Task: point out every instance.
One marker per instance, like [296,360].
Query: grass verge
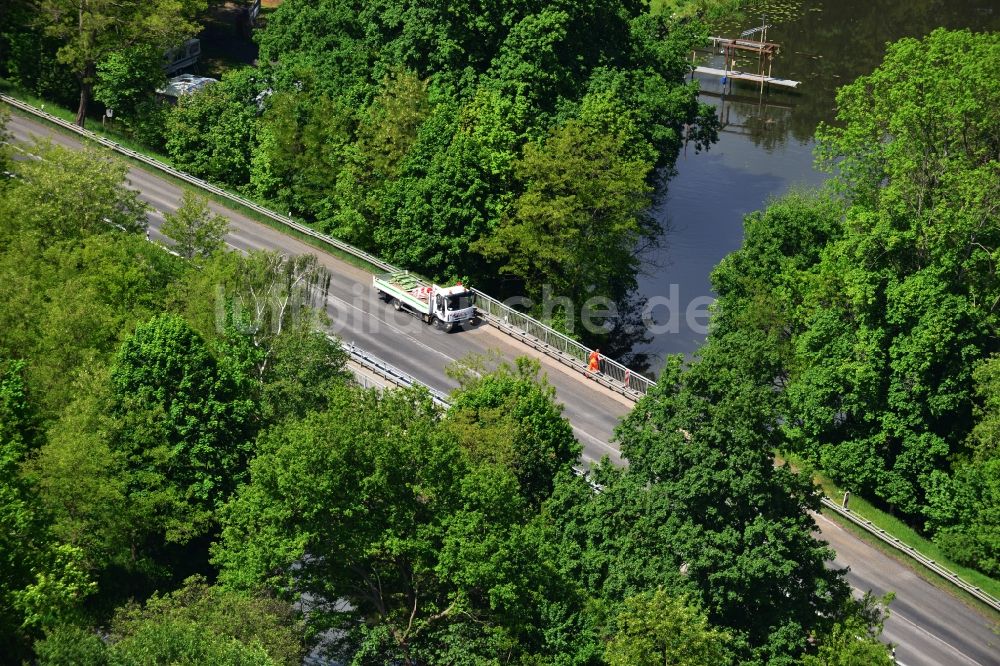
[910,537]
[125,141]
[107,131]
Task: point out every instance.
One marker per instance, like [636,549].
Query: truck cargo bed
[408,289]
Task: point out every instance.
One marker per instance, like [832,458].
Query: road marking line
[896,614]
[394,328]
[605,445]
[938,639]
[820,515]
[893,613]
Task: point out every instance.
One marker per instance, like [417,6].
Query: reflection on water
[766,122]
[765,147]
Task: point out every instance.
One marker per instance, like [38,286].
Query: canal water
[765,147]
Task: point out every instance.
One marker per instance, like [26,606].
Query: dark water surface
[766,145]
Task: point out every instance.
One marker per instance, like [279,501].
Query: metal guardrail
[613,375]
[388,371]
[396,376]
[950,576]
[198,182]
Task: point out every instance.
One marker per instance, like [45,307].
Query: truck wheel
[396,304]
[449,327]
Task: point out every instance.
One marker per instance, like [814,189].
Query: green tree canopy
[581,219]
[877,298]
[137,464]
[964,505]
[509,417]
[68,194]
[74,285]
[197,624]
[28,55]
[126,79]
[195,229]
[432,560]
[42,582]
[262,314]
[655,629]
[702,510]
[369,525]
[212,131]
[181,416]
[88,32]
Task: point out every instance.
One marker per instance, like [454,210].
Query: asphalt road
[929,626]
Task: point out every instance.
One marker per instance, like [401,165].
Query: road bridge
[931,626]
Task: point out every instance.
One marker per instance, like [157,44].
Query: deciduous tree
[195,624]
[435,560]
[269,295]
[125,79]
[338,520]
[196,230]
[703,510]
[509,417]
[90,30]
[879,300]
[42,582]
[655,628]
[579,223]
[180,420]
[212,131]
[70,194]
[964,505]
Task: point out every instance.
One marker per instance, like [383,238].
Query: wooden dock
[747,76]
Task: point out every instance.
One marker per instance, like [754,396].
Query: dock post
[760,68]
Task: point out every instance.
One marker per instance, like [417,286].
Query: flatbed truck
[446,307]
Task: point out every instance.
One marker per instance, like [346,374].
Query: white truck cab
[454,304]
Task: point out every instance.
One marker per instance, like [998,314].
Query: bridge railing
[545,339]
[397,377]
[517,324]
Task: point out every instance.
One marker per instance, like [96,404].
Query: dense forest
[515,145]
[191,476]
[873,305]
[195,480]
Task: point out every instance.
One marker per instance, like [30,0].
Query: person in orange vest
[595,361]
